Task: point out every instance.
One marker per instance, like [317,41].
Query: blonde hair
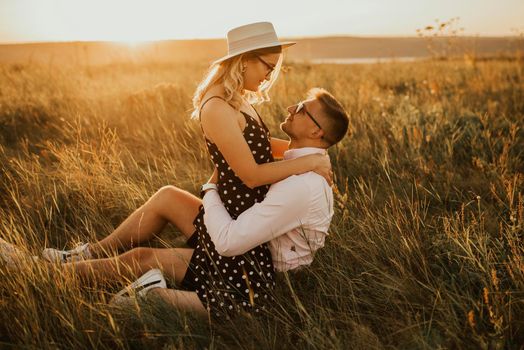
[228,73]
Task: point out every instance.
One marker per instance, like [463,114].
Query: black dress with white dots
[228,285]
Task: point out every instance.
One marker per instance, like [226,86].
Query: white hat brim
[284,45]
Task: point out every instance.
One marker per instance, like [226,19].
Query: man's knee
[163,198]
[167,194]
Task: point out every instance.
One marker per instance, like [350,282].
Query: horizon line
[397,36]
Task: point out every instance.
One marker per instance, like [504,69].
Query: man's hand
[214,177]
[210,185]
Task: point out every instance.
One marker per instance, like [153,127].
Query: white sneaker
[64,256]
[150,280]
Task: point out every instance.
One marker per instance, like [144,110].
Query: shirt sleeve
[285,207]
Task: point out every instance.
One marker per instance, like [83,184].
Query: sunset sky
[133,20]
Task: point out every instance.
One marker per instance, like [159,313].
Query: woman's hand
[322,166]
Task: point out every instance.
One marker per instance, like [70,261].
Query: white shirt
[294,218]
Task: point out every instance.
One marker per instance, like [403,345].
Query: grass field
[426,249]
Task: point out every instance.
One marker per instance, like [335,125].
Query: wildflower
[471,319]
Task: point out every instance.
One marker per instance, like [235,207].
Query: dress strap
[203,104]
[260,118]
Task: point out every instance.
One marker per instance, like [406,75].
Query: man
[295,215]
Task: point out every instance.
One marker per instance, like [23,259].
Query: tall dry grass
[425,250]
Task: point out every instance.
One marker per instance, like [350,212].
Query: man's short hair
[338,120]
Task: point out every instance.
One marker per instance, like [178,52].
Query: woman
[240,146]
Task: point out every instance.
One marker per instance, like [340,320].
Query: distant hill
[359,47]
[307,49]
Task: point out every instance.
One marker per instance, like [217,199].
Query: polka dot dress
[227,285]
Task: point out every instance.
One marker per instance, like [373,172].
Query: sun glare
[136,21]
[132,44]
[131,23]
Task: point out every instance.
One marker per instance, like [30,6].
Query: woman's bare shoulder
[216,108]
[217,115]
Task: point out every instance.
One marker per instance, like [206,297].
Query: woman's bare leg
[130,265]
[182,300]
[169,204]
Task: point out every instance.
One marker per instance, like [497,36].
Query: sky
[141,20]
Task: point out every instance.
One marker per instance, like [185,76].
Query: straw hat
[251,37]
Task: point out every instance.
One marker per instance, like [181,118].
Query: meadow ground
[425,250]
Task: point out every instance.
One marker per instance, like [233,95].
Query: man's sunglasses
[302,107]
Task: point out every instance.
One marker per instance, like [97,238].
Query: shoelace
[138,289]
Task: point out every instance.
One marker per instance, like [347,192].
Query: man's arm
[286,203]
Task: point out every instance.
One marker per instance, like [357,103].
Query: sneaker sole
[150,280]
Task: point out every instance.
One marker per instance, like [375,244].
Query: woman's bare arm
[220,124]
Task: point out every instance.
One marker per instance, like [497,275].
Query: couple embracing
[256,216]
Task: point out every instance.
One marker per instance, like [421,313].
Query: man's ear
[317,134]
